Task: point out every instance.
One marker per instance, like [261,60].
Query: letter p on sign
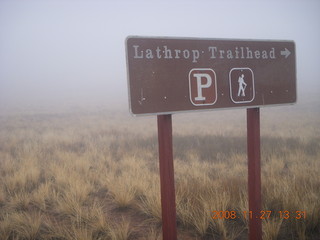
[202,86]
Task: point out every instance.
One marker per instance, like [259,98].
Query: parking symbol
[241,85]
[202,86]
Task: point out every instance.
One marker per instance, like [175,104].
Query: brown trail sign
[169,75]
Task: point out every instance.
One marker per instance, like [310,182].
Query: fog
[72,53]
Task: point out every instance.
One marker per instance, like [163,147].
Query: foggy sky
[73,52]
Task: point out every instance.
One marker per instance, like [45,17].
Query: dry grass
[271,228]
[95,176]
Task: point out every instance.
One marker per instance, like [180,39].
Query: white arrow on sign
[285,52]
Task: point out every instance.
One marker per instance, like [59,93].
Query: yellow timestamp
[264,214]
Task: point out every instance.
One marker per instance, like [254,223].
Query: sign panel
[168,75]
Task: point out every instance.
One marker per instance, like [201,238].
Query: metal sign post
[168,203]
[254,173]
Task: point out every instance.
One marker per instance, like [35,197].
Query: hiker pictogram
[241,82]
[242,86]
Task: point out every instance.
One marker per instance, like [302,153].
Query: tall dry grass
[96,176]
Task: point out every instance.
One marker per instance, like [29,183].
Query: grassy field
[94,175]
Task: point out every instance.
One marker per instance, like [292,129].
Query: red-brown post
[168,204]
[254,172]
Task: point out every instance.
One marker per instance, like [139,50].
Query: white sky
[73,52]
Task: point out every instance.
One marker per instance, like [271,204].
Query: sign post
[168,204]
[171,75]
[254,173]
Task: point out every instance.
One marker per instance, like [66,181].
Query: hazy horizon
[72,53]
